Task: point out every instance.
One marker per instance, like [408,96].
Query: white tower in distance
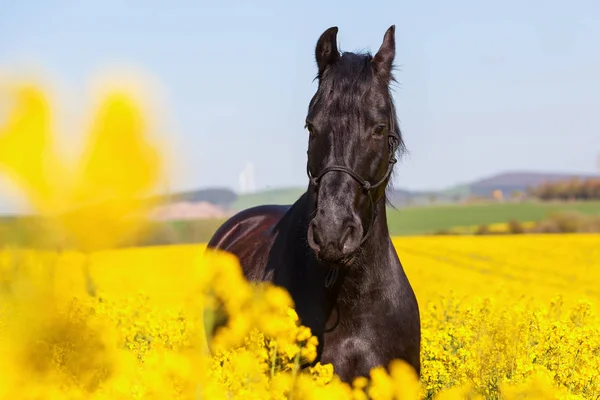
[246,179]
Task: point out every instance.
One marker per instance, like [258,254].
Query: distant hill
[227,199]
[398,197]
[223,197]
[521,181]
[508,182]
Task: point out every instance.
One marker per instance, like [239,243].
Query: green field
[272,196]
[403,221]
[423,220]
[418,220]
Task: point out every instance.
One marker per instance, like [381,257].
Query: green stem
[273,360]
[295,374]
[89,282]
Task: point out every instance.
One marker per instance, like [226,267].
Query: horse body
[367,317]
[331,249]
[249,235]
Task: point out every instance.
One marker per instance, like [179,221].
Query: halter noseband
[366,186]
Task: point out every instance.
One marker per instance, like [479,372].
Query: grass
[409,221]
[424,220]
[402,222]
[273,196]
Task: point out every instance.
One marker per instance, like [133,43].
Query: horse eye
[309,128]
[380,129]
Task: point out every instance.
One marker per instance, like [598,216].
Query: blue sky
[483,86]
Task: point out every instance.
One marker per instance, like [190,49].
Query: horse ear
[384,59]
[326,51]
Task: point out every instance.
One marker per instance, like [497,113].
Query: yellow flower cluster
[497,227]
[59,342]
[503,317]
[498,312]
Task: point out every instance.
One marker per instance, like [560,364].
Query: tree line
[571,189]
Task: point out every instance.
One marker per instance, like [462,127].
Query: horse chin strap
[366,186]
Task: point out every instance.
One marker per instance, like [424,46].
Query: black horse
[331,249]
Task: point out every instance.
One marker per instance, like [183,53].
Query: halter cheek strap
[365,185]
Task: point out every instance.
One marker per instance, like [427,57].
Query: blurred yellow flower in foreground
[26,148]
[99,201]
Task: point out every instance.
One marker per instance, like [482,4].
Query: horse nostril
[346,244]
[313,240]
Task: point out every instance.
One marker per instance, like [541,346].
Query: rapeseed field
[132,326]
[502,316]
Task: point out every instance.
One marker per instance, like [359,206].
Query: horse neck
[379,237]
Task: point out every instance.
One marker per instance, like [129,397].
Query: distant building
[498,195]
[246,179]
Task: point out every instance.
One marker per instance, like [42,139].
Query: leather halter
[366,186]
